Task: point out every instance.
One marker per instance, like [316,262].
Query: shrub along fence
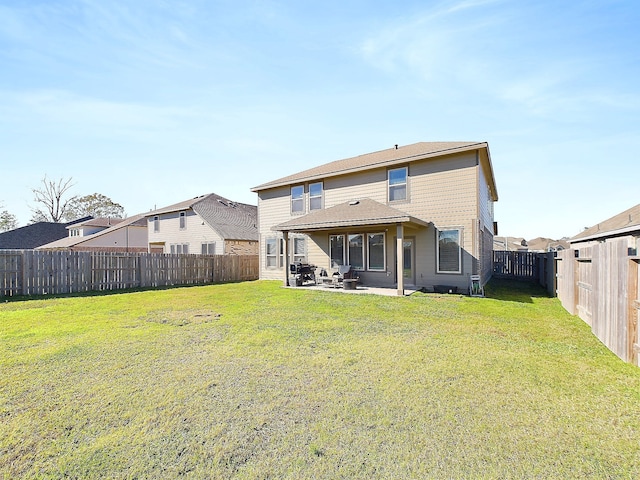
[34,272]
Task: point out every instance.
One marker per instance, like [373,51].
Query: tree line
[53,202]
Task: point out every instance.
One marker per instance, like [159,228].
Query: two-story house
[424,210]
[209,224]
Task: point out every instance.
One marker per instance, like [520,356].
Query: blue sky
[154,102]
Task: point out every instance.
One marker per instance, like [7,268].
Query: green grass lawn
[251,380]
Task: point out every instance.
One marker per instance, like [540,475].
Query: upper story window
[315,196]
[183,220]
[398,184]
[156,224]
[297,199]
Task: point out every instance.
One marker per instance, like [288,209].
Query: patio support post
[400,257]
[285,234]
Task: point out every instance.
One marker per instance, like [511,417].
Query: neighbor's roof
[625,222]
[349,214]
[232,220]
[384,158]
[97,222]
[67,242]
[36,234]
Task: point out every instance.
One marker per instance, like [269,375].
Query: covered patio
[360,213]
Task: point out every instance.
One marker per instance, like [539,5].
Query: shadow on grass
[105,293]
[514,290]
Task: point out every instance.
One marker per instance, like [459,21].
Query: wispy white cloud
[481,48]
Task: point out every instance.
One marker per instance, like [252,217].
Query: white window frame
[299,249]
[384,252]
[349,261]
[331,250]
[444,231]
[317,197]
[156,224]
[297,200]
[208,248]
[395,185]
[273,241]
[183,220]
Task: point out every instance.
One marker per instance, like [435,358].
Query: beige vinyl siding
[194,234]
[370,184]
[132,236]
[484,202]
[274,207]
[442,191]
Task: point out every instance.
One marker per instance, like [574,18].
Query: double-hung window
[375,251]
[297,199]
[356,251]
[449,251]
[398,184]
[336,250]
[299,251]
[271,252]
[183,220]
[156,224]
[180,248]
[315,196]
[208,248]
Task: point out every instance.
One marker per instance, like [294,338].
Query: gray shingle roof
[391,156]
[627,221]
[135,220]
[232,220]
[36,234]
[349,214]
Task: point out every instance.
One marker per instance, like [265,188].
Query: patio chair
[345,273]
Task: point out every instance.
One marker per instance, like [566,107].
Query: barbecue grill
[301,273]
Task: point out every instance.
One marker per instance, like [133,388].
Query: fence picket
[33,272]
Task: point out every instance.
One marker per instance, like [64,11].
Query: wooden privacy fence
[522,265]
[530,266]
[599,283]
[33,272]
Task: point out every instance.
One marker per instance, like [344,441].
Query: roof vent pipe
[396,146]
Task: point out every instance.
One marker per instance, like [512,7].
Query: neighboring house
[541,245]
[425,210]
[510,244]
[208,224]
[34,235]
[519,244]
[104,235]
[625,224]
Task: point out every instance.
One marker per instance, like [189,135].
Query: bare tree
[51,205]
